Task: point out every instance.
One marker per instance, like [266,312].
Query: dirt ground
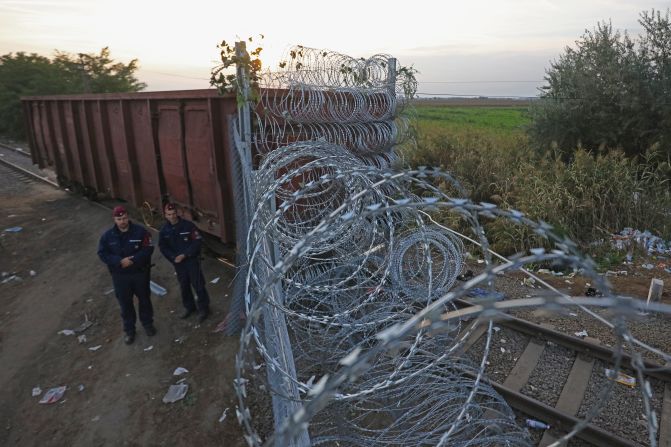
[635,283]
[120,402]
[114,394]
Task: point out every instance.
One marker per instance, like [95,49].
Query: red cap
[169,207]
[119,211]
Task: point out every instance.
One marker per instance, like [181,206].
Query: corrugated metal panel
[142,147]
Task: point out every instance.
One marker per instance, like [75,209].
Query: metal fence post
[286,399]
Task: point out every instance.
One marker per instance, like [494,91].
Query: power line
[480,82]
[174,75]
[464,95]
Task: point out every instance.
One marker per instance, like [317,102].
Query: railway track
[562,415]
[15,150]
[21,166]
[20,161]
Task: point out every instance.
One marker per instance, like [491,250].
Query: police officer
[180,242]
[126,248]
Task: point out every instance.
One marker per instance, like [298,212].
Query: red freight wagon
[143,148]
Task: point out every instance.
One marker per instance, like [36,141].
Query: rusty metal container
[145,148]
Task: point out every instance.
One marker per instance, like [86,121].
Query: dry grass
[587,199]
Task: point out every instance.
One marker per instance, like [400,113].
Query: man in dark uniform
[126,248]
[180,243]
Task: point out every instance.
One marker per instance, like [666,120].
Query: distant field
[472,102]
[509,121]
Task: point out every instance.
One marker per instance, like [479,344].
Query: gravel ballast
[548,378]
[624,412]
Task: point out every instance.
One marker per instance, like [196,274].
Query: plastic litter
[223,416]
[95,348]
[582,333]
[644,239]
[529,282]
[80,387]
[175,393]
[32,273]
[109,291]
[95,419]
[503,350]
[53,395]
[149,348]
[13,230]
[621,377]
[81,338]
[66,332]
[156,289]
[11,278]
[37,391]
[179,371]
[85,325]
[648,266]
[478,292]
[215,280]
[532,423]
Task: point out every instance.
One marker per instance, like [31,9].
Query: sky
[474,47]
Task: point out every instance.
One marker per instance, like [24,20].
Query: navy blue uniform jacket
[115,245]
[182,238]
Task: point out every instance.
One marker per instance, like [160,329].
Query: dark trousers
[125,286]
[189,274]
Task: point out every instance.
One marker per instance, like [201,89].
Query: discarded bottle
[537,424]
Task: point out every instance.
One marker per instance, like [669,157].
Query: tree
[23,74]
[610,91]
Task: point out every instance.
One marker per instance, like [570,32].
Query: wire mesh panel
[350,284]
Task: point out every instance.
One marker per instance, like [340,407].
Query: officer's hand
[179,258]
[126,262]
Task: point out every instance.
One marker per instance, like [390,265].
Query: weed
[586,199]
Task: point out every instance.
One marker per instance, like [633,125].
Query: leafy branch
[228,82]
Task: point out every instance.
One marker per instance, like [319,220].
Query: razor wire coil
[341,250]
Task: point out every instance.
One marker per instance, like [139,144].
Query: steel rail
[597,351]
[18,151]
[558,419]
[27,172]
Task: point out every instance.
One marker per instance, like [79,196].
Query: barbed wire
[323,95]
[344,256]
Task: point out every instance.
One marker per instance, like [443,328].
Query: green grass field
[501,121]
